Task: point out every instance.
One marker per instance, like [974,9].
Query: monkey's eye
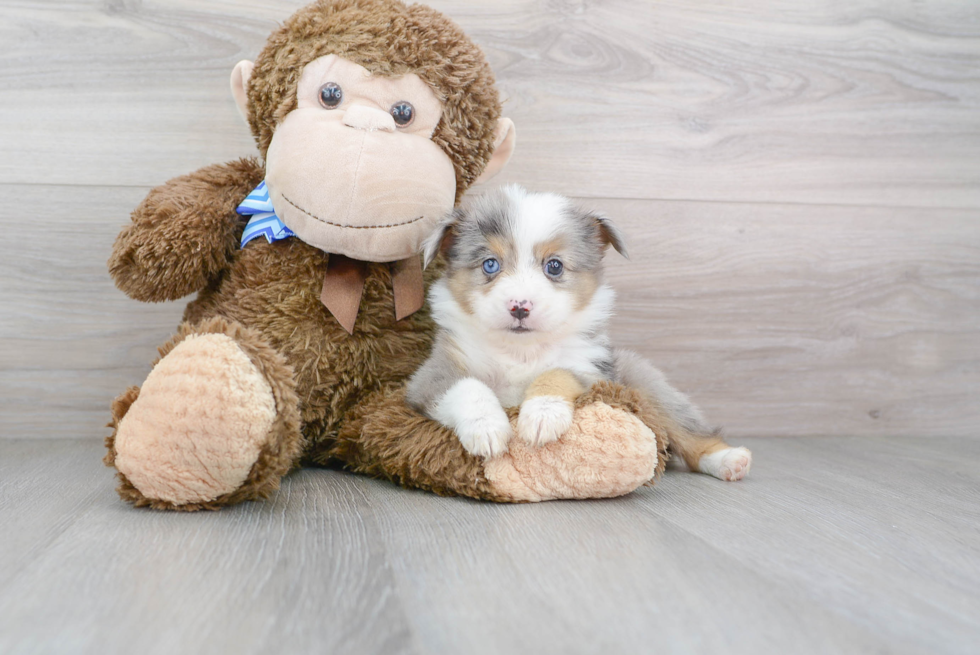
[491,266]
[330,95]
[553,268]
[403,113]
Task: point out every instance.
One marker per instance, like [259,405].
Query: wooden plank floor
[831,545]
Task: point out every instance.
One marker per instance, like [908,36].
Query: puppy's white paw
[485,436]
[727,464]
[471,409]
[543,419]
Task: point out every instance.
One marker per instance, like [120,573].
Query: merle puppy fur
[522,315]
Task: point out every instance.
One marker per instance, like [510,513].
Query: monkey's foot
[608,451]
[212,424]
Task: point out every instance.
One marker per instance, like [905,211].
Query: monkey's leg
[607,452]
[216,422]
[688,436]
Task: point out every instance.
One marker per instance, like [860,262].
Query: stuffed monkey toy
[372,119]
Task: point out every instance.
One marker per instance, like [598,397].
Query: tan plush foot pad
[607,452]
[198,424]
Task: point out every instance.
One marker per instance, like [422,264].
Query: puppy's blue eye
[491,266]
[554,268]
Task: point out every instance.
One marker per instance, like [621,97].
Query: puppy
[522,313]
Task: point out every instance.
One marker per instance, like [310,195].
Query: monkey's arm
[184,233]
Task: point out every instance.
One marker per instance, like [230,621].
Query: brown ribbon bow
[344,283]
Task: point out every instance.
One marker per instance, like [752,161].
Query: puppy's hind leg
[689,437]
[711,455]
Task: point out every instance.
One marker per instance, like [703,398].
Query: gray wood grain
[795,319]
[778,319]
[844,545]
[69,341]
[593,577]
[874,102]
[82,572]
[809,316]
[800,185]
[861,525]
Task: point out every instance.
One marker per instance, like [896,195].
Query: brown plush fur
[384,437]
[275,289]
[338,397]
[184,233]
[388,38]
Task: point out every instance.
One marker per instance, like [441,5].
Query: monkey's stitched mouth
[351,227]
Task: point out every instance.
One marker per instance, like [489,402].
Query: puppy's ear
[441,238]
[610,234]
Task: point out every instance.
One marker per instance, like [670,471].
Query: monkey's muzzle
[369,194]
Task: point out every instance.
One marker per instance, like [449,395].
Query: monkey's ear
[610,234]
[441,238]
[239,84]
[504,141]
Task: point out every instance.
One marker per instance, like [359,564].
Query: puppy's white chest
[512,376]
[513,382]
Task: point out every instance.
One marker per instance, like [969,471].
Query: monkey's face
[353,169]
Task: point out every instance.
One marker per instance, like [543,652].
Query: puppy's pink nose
[519,309]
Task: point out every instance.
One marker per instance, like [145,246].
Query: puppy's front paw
[471,409]
[485,436]
[727,464]
[543,419]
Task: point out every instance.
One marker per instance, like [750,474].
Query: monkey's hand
[184,233]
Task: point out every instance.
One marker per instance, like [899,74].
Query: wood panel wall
[800,183]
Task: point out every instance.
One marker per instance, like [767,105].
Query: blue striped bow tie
[264,221]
